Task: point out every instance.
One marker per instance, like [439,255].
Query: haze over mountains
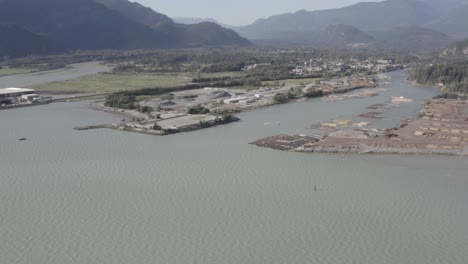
[36,26]
[196,20]
[100,24]
[403,21]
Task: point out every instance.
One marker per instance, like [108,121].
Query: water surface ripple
[104,196]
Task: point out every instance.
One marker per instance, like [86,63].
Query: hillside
[368,16]
[82,24]
[333,36]
[210,34]
[457,48]
[191,20]
[453,75]
[454,23]
[119,24]
[17,42]
[402,24]
[443,7]
[137,12]
[410,38]
[342,35]
[192,35]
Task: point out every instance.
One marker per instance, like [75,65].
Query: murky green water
[104,196]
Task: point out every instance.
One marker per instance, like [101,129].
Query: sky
[239,12]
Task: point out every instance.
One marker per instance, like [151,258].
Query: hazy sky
[239,12]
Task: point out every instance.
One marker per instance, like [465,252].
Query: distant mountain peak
[405,20]
[107,24]
[191,21]
[367,16]
[137,12]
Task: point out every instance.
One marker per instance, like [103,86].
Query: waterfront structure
[14,95]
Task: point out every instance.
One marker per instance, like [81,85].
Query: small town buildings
[385,61]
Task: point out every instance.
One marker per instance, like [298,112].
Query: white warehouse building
[12,95]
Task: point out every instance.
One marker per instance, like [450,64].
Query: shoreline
[135,116]
[441,130]
[125,128]
[22,106]
[167,120]
[131,115]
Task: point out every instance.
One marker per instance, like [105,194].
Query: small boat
[22,139]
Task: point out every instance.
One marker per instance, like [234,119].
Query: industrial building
[16,95]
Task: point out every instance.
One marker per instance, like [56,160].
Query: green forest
[453,75]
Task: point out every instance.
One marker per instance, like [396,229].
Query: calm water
[104,196]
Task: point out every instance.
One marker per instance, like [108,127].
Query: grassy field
[12,71]
[292,82]
[87,98]
[112,83]
[220,74]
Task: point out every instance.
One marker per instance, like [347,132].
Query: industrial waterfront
[103,196]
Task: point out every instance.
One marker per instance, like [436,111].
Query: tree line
[452,75]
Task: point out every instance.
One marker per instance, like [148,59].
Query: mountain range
[17,42]
[390,23]
[195,20]
[36,26]
[100,24]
